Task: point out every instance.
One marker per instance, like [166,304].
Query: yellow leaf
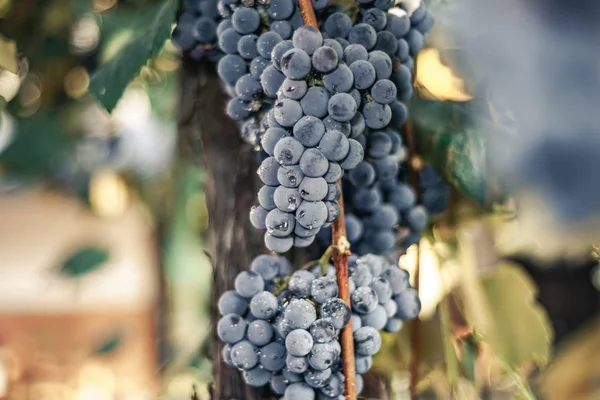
[8,55]
[574,373]
[517,329]
[439,80]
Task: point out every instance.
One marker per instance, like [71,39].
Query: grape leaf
[152,27]
[446,138]
[574,372]
[84,261]
[37,147]
[510,322]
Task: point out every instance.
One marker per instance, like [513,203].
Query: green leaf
[446,138]
[37,147]
[517,329]
[152,27]
[109,345]
[84,261]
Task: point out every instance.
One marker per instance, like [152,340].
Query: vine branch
[340,260]
[414,163]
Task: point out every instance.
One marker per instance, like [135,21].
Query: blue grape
[258,216]
[339,80]
[271,80]
[377,116]
[249,283]
[231,328]
[311,214]
[280,9]
[280,223]
[257,376]
[313,164]
[231,68]
[314,103]
[364,35]
[334,145]
[364,74]
[245,20]
[307,38]
[260,332]
[309,131]
[355,52]
[313,189]
[323,331]
[290,176]
[283,28]
[337,25]
[232,303]
[267,42]
[299,342]
[324,59]
[247,47]
[296,365]
[341,107]
[288,150]
[384,91]
[367,341]
[316,378]
[272,356]
[300,314]
[293,89]
[266,197]
[295,64]
[287,113]
[244,355]
[263,305]
[299,391]
[287,199]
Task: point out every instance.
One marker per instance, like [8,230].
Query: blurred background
[105,277]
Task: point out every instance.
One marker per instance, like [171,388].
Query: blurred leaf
[446,139]
[516,328]
[109,345]
[82,6]
[8,55]
[468,356]
[84,261]
[37,146]
[152,27]
[575,371]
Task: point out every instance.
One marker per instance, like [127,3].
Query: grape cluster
[310,139]
[196,30]
[284,330]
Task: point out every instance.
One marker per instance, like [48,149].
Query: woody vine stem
[341,251]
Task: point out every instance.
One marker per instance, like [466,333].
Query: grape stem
[415,337]
[340,260]
[340,255]
[308,13]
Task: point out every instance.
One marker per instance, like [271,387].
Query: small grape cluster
[283,330]
[246,36]
[196,30]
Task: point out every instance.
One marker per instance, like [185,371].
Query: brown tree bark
[207,134]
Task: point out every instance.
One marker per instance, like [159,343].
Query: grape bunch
[196,30]
[310,139]
[284,330]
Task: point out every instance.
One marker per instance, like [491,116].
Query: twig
[308,13]
[415,338]
[340,260]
